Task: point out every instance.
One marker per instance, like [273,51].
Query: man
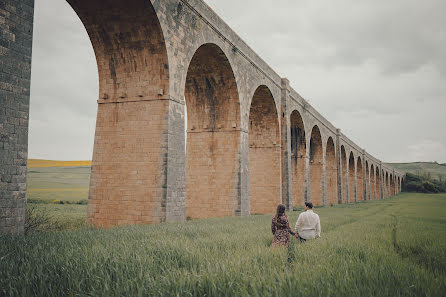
[308,225]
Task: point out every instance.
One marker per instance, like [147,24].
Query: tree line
[423,182]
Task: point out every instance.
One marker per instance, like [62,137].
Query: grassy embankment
[65,181]
[434,170]
[393,247]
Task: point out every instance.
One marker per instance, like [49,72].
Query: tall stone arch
[372,182]
[360,179]
[392,185]
[298,157]
[331,172]
[344,174]
[367,181]
[212,147]
[132,119]
[264,152]
[352,178]
[378,183]
[316,166]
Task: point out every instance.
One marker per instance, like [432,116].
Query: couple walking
[308,226]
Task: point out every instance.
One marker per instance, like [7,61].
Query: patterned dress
[281,230]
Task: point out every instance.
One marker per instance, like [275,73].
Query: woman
[281,228]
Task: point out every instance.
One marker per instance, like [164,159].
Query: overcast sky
[375,69]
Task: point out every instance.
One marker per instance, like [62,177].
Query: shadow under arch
[264,152]
[378,184]
[316,165]
[351,178]
[343,199]
[360,179]
[331,172]
[372,182]
[367,181]
[213,135]
[128,184]
[392,185]
[298,158]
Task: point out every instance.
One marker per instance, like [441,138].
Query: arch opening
[213,135]
[316,166]
[360,180]
[392,185]
[331,172]
[351,178]
[298,157]
[367,181]
[264,152]
[372,182]
[132,64]
[344,191]
[378,184]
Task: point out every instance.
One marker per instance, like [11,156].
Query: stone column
[286,146]
[16,22]
[175,163]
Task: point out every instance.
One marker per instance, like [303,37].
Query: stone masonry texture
[16,26]
[191,122]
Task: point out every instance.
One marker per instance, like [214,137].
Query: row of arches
[154,86]
[318,180]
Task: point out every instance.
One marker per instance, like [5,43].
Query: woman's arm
[273,227]
[288,227]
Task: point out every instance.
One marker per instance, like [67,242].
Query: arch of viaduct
[252,141]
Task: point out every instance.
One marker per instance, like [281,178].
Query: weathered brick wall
[213,136]
[377,184]
[360,179]
[316,165]
[344,175]
[16,26]
[331,173]
[298,158]
[264,153]
[372,182]
[351,179]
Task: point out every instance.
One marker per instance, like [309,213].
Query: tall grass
[393,247]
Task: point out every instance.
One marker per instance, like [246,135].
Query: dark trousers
[302,239]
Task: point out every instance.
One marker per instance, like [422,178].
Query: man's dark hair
[309,205]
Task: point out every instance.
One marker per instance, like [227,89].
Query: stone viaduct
[252,141]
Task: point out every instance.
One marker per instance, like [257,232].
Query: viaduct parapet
[252,141]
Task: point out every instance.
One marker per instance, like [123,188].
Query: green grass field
[46,184]
[393,247]
[419,168]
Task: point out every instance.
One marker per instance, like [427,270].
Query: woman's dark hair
[280,210]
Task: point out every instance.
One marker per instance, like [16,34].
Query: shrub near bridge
[393,247]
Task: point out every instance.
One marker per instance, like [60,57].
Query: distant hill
[39,163]
[422,168]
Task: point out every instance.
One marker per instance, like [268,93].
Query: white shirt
[308,225]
